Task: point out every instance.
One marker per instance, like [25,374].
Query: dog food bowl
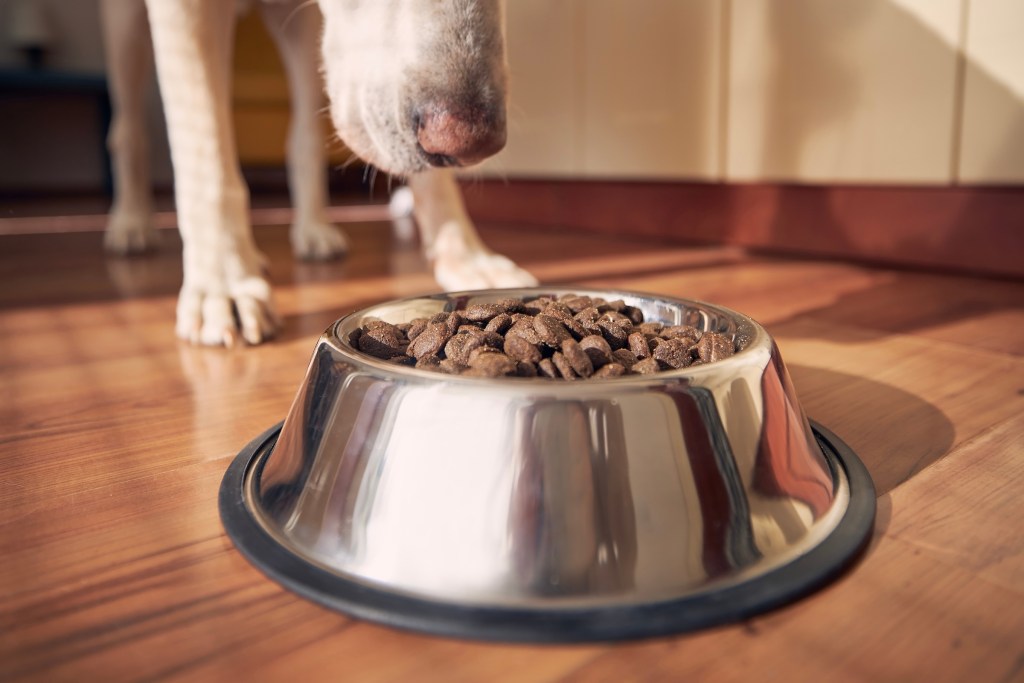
[547,510]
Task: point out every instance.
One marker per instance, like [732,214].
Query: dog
[416,88]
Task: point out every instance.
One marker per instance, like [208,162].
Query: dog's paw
[461,261]
[317,241]
[245,312]
[130,234]
[480,270]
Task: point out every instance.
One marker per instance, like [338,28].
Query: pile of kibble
[571,337]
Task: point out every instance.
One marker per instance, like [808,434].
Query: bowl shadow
[895,433]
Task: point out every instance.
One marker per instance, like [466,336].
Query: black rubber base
[620,622]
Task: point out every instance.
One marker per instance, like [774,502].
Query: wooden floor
[115,437]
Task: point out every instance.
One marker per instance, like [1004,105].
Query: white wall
[992,135]
[870,91]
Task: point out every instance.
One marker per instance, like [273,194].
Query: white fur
[383,58]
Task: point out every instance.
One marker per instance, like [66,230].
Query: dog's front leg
[129,58]
[460,258]
[295,27]
[224,291]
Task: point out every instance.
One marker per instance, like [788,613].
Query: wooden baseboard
[970,229]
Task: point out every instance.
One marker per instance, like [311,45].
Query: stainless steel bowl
[533,509]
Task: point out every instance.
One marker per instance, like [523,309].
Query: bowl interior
[704,316]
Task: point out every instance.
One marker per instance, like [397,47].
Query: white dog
[415,87]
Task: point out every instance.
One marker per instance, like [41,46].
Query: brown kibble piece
[673,353]
[525,369]
[624,357]
[524,329]
[522,350]
[577,358]
[638,345]
[609,370]
[597,349]
[382,340]
[479,313]
[547,369]
[687,333]
[578,303]
[635,315]
[499,324]
[492,364]
[550,330]
[616,305]
[714,346]
[647,366]
[614,333]
[588,315]
[461,345]
[563,365]
[447,365]
[535,306]
[557,309]
[427,362]
[564,315]
[430,341]
[415,327]
[511,305]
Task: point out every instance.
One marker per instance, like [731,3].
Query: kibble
[570,337]
[577,358]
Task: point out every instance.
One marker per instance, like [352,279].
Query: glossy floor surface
[116,436]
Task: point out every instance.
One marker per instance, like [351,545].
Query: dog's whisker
[373,178]
[352,158]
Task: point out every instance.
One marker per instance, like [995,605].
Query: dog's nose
[452,136]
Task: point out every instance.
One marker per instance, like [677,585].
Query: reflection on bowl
[528,509]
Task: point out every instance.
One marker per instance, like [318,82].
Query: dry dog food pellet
[713,346]
[572,337]
[577,358]
[673,353]
[597,349]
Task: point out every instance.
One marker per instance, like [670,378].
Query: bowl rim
[758,339]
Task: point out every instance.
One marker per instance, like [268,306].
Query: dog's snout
[456,136]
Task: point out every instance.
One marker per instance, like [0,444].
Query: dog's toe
[218,327]
[258,321]
[217,320]
[318,241]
